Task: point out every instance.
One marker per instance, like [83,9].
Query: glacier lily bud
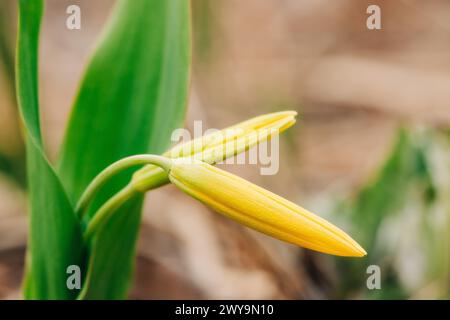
[226,193]
[220,145]
[262,125]
[260,209]
[211,148]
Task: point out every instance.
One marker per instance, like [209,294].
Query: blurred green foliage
[11,164]
[401,217]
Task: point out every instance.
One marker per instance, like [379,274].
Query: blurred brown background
[352,87]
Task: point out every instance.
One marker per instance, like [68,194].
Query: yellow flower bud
[220,145]
[273,122]
[260,209]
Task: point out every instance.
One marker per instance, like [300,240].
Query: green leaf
[55,233]
[112,256]
[132,96]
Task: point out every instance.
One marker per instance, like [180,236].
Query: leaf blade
[55,233]
[133,95]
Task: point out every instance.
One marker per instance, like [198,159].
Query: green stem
[108,208]
[114,169]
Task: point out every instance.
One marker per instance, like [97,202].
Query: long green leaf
[133,95]
[55,233]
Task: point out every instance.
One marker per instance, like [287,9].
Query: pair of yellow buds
[189,167]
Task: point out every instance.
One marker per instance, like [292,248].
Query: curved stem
[114,169]
[108,208]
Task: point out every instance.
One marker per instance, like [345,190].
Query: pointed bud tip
[288,113]
[358,251]
[363,253]
[278,115]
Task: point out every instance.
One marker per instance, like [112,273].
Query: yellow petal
[277,121]
[218,146]
[260,209]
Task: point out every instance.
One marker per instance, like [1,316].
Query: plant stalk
[111,171]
